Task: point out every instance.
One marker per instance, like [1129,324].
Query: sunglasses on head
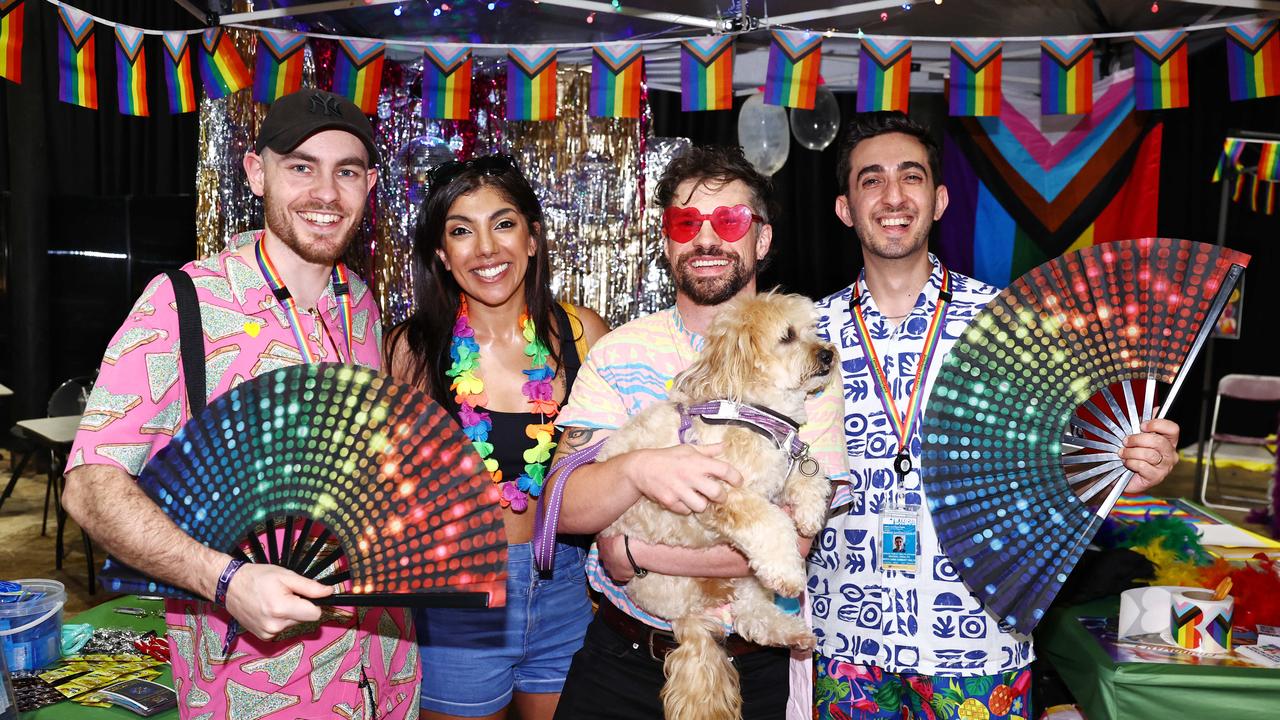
[730,223]
[447,172]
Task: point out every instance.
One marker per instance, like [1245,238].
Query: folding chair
[1244,388]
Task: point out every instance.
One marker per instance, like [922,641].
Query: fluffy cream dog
[762,351]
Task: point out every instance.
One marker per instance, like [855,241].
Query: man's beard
[711,290]
[279,222]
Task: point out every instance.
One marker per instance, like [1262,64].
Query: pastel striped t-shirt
[630,369]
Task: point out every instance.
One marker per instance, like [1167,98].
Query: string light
[937,2]
[435,13]
[906,6]
[617,5]
[445,7]
[591,18]
[884,16]
[1155,7]
[491,6]
[398,11]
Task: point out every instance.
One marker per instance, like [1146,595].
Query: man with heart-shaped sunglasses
[716,223]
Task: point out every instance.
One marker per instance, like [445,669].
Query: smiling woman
[489,342]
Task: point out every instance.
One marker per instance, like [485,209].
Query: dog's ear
[729,359]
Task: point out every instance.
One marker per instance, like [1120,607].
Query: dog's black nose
[825,356]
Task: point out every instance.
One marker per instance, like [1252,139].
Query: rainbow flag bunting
[1269,162]
[531,83]
[278,68]
[1253,59]
[131,71]
[1263,199]
[1160,70]
[1066,75]
[975,77]
[795,57]
[177,72]
[446,82]
[77,68]
[358,72]
[1231,151]
[706,74]
[884,74]
[220,65]
[615,81]
[11,24]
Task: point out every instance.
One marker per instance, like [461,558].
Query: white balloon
[816,128]
[763,134]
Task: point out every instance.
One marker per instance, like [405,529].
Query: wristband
[635,569]
[224,580]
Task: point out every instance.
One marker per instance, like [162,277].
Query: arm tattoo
[577,437]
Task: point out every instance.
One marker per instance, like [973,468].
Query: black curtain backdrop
[57,150]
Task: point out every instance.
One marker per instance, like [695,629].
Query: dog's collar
[782,430]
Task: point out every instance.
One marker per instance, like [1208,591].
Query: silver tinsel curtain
[591,175]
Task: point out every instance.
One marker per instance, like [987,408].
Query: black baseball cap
[299,115]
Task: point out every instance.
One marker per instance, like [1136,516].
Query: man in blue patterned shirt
[899,633]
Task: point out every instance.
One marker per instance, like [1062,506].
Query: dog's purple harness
[782,430]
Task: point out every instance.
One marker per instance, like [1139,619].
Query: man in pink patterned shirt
[313,165]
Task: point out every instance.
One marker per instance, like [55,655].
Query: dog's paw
[803,641]
[785,581]
[811,525]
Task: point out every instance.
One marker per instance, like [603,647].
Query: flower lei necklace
[476,424]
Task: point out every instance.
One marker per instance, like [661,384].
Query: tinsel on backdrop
[589,173]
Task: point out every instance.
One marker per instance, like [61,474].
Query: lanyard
[903,425]
[341,290]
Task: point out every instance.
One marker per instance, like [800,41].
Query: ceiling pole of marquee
[850,9]
[186,5]
[1260,5]
[604,7]
[309,9]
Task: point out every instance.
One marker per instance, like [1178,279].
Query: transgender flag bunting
[884,74]
[975,77]
[177,72]
[795,57]
[1066,75]
[1253,59]
[77,65]
[531,83]
[1160,70]
[220,65]
[358,72]
[615,81]
[278,68]
[446,82]
[706,74]
[11,39]
[131,71]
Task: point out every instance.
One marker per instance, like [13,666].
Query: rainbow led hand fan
[1032,404]
[359,479]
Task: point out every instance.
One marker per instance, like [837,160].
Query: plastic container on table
[31,624]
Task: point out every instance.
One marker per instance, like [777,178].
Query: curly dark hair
[716,165]
[865,126]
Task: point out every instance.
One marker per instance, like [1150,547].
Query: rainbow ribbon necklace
[341,290]
[468,391]
[904,425]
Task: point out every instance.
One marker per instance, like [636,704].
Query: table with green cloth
[1107,690]
[104,615]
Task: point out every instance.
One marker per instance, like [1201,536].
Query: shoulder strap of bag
[190,339]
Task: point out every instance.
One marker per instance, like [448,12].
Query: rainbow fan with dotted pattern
[1032,404]
[342,475]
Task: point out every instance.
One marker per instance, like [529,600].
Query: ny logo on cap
[325,104]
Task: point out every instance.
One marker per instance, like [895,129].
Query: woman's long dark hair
[429,331]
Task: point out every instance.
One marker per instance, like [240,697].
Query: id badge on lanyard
[900,537]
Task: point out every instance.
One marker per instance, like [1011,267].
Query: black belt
[662,642]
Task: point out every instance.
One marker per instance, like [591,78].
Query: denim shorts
[472,660]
